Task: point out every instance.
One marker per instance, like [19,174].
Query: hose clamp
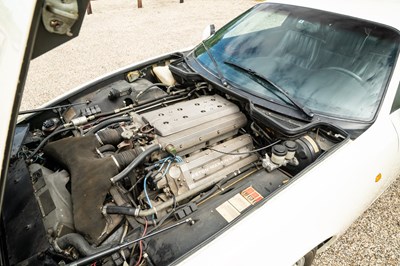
[104,210]
[116,162]
[99,153]
[99,139]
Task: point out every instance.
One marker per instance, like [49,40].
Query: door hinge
[60,15]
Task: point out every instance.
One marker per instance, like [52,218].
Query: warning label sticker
[228,211]
[251,195]
[232,208]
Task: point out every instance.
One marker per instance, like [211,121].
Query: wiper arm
[259,78]
[219,73]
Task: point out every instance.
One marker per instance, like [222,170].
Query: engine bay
[142,167]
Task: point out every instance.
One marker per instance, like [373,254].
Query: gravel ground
[118,33]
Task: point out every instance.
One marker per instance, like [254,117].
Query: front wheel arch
[307,259]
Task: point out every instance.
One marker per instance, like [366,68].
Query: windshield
[334,65]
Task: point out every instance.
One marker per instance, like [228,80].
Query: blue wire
[178,159]
[145,192]
[166,169]
[162,161]
[161,167]
[147,196]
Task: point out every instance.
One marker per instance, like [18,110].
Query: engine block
[194,125]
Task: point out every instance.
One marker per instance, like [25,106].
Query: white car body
[13,40]
[339,190]
[319,205]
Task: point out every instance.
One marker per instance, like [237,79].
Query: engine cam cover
[194,124]
[208,166]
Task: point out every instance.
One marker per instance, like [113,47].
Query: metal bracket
[60,15]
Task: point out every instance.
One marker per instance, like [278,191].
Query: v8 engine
[163,167]
[194,125]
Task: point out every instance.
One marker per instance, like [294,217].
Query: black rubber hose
[126,157]
[139,159]
[124,210]
[108,122]
[110,136]
[148,88]
[107,148]
[129,211]
[80,243]
[44,141]
[120,210]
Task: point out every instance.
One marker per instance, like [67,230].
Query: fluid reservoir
[291,147]
[278,155]
[164,75]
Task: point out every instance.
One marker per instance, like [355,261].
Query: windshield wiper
[259,78]
[219,73]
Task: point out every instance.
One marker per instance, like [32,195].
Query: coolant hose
[125,210]
[123,159]
[107,148]
[110,209]
[78,242]
[110,136]
[108,122]
[139,159]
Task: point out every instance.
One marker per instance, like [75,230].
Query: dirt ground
[118,34]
